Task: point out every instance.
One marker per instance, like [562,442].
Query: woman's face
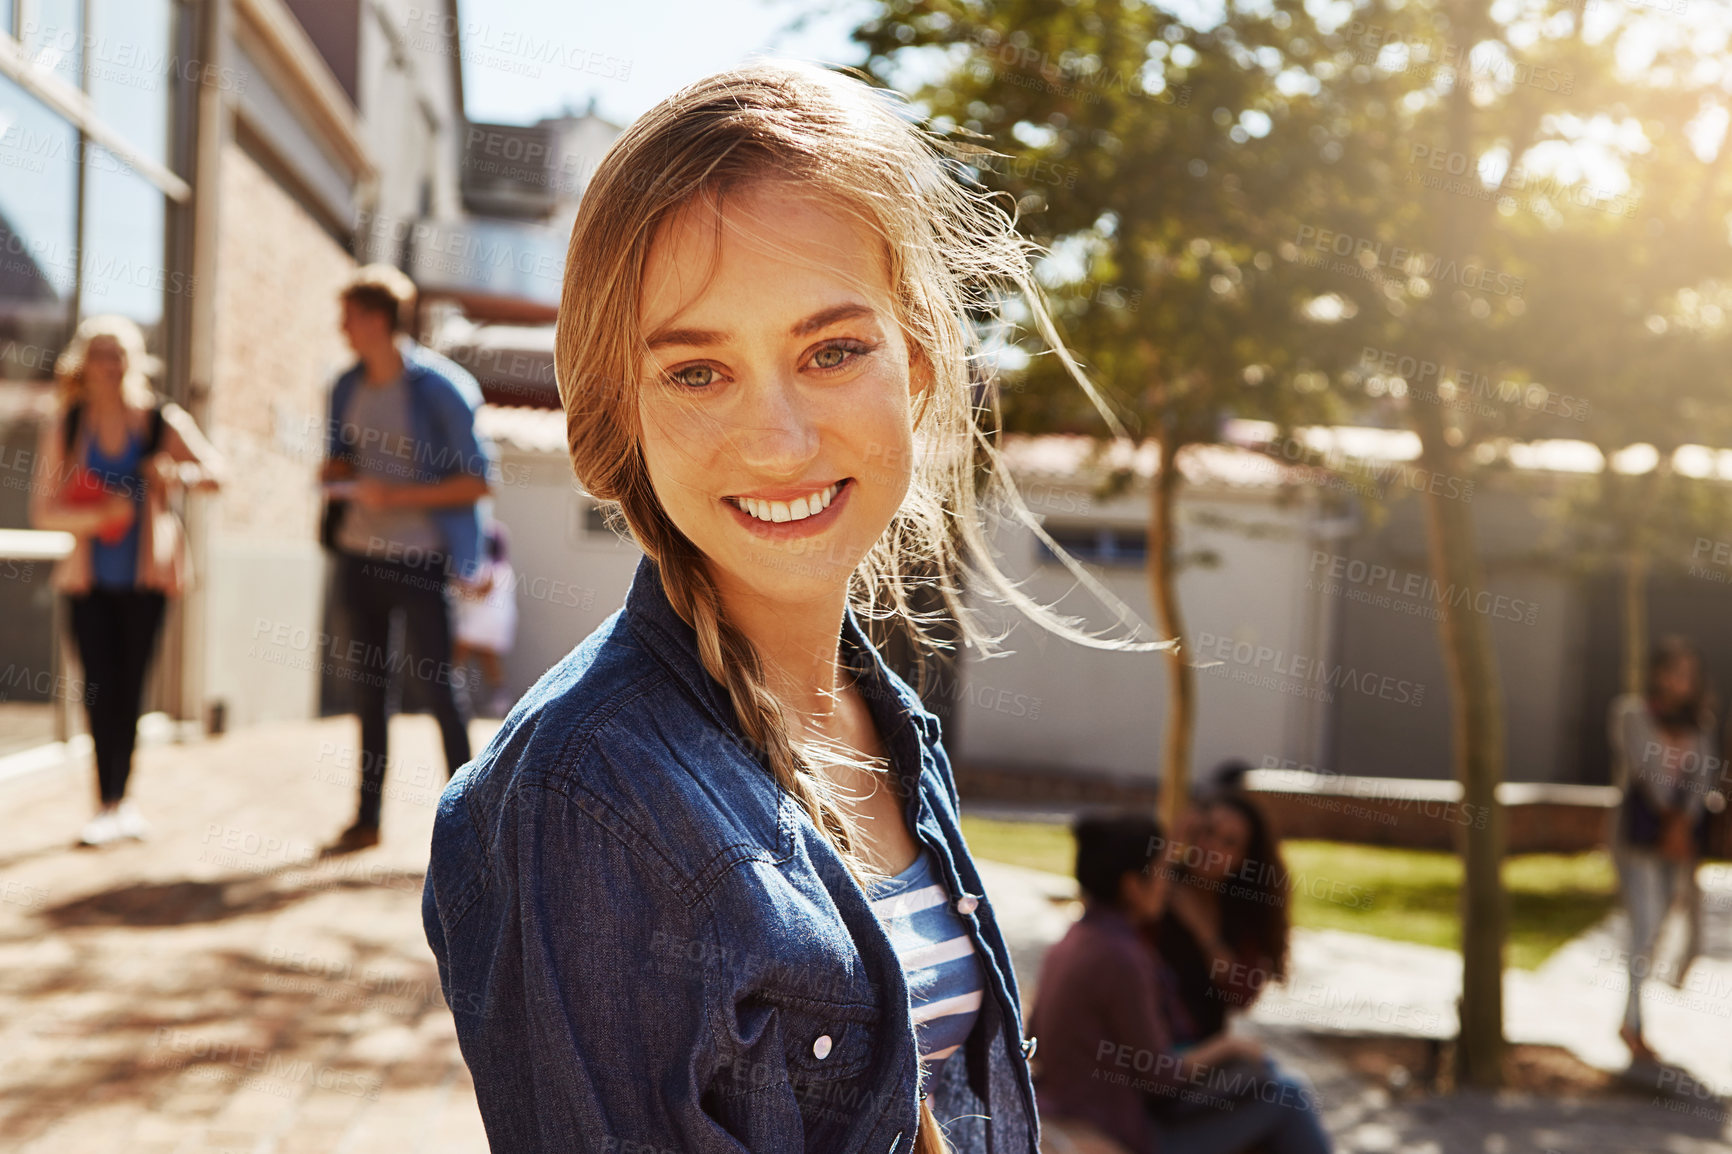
[775,402]
[1228,837]
[104,363]
[1676,681]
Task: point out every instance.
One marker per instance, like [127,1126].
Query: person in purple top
[1107,1014]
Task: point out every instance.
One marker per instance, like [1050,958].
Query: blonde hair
[382,288]
[135,387]
[951,253]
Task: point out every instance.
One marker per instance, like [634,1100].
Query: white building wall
[569,578]
[1055,704]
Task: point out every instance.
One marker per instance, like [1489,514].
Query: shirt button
[967,904]
[821,1048]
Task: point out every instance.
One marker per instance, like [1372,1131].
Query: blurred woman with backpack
[106,465]
[1664,755]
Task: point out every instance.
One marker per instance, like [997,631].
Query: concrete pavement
[217,988]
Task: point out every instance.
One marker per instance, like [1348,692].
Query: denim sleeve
[587,1034]
[456,416]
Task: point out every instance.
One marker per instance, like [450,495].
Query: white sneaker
[101,829]
[131,823]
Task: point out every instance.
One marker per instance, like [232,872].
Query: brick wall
[277,345]
[277,341]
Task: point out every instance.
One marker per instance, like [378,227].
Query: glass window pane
[6,14]
[129,68]
[53,35]
[124,218]
[38,218]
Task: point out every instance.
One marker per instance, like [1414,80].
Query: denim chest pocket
[822,1040]
[800,1040]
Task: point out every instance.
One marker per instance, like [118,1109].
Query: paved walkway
[217,989]
[1352,984]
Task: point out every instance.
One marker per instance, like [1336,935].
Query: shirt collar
[653,618]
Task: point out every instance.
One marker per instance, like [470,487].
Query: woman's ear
[919,373]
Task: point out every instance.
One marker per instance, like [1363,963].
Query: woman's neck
[1203,900]
[104,401]
[799,643]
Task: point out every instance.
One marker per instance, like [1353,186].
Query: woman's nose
[775,430]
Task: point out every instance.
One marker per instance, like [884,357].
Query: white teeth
[796,510]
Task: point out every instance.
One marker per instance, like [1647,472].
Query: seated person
[1225,929]
[1106,1014]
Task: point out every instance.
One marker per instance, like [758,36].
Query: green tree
[1162,168]
[1494,260]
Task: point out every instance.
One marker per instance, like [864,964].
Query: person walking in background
[106,465]
[404,471]
[1225,928]
[1110,1023]
[487,620]
[1663,749]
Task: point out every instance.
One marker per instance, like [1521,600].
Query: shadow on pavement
[179,903]
[237,1022]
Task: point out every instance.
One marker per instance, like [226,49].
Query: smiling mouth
[776,512]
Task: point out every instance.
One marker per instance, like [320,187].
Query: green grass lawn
[1407,895]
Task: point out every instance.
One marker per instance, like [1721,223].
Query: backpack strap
[153,434]
[74,413]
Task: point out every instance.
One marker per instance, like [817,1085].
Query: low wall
[1539,817]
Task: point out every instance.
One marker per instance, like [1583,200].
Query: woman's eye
[693,376]
[836,356]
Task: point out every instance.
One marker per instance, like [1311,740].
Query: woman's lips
[792,530]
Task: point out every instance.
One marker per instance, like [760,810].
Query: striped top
[945,981]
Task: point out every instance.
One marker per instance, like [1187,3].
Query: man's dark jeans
[372,592]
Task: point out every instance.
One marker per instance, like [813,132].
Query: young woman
[106,465]
[1225,929]
[706,889]
[1663,754]
[1112,1024]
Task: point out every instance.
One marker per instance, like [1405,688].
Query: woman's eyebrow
[818,321]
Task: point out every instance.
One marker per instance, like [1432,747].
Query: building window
[53,37]
[1097,544]
[131,71]
[38,234]
[124,248]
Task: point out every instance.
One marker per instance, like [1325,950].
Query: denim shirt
[443,399]
[647,945]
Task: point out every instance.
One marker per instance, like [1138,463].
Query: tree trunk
[1635,619]
[1638,548]
[1476,700]
[1164,593]
[1476,705]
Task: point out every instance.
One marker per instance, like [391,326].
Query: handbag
[84,488]
[169,569]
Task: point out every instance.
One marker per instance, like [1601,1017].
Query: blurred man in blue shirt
[404,471]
